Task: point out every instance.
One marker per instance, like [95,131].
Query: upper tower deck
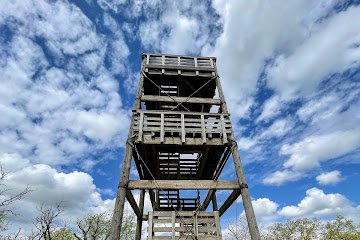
[180,127]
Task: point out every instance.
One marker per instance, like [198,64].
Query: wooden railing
[175,60]
[187,224]
[182,125]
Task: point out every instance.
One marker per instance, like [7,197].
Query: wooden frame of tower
[179,143]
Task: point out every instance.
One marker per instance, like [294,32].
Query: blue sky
[290,72]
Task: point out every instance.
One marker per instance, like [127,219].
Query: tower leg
[116,222]
[140,220]
[249,211]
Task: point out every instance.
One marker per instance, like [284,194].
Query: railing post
[196,65]
[203,133]
[223,129]
[173,217]
[162,131]
[150,228]
[182,128]
[141,126]
[163,63]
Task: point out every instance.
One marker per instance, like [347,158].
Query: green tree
[63,234]
[303,229]
[341,228]
[97,227]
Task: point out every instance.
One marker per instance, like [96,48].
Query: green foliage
[341,228]
[305,229]
[94,227]
[3,222]
[128,228]
[63,234]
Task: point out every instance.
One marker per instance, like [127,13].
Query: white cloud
[264,207]
[278,129]
[279,177]
[54,110]
[318,203]
[331,48]
[311,151]
[188,34]
[249,39]
[271,108]
[329,178]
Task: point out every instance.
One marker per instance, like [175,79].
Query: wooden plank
[173,218]
[203,134]
[147,139]
[140,220]
[179,112]
[140,134]
[185,237]
[181,67]
[197,100]
[230,200]
[132,202]
[218,226]
[223,130]
[151,225]
[175,55]
[182,128]
[183,184]
[162,132]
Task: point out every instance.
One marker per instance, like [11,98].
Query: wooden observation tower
[180,138]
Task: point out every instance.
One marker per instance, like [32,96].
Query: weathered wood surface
[116,222]
[230,200]
[133,204]
[183,184]
[203,225]
[140,219]
[151,98]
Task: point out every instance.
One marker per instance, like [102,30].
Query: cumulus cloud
[308,65]
[58,99]
[319,203]
[279,177]
[311,151]
[329,178]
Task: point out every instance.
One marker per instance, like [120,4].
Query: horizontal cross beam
[150,98]
[183,184]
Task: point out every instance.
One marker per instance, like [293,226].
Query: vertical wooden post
[116,222]
[249,211]
[140,220]
[141,125]
[203,133]
[162,130]
[150,228]
[182,128]
[223,129]
[217,223]
[173,222]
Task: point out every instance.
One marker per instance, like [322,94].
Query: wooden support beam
[141,126]
[151,98]
[230,200]
[151,225]
[162,128]
[208,199]
[183,184]
[132,202]
[214,203]
[203,134]
[152,198]
[182,128]
[140,219]
[116,222]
